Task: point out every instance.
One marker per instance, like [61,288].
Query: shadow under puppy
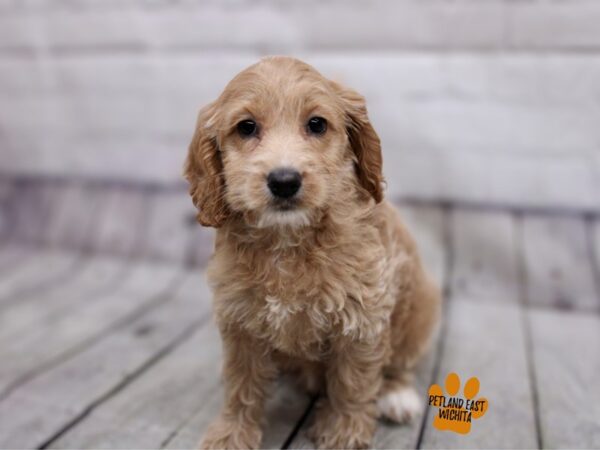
[313,272]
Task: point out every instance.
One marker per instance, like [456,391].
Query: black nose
[284,183]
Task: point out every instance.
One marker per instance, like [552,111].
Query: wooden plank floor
[107,341]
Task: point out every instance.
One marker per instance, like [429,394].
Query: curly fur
[332,290]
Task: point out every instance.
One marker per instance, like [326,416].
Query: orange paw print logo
[456,413]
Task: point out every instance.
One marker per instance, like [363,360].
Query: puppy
[313,272]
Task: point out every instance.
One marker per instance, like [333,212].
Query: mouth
[284,212]
[288,204]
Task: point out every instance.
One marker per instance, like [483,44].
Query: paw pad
[456,413]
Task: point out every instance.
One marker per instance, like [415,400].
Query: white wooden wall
[492,101]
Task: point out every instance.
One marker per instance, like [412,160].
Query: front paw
[349,430]
[231,434]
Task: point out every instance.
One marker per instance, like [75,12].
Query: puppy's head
[279,146]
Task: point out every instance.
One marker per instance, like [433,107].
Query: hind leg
[413,323]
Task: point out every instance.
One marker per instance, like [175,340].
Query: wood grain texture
[30,416]
[594,233]
[469,127]
[484,256]
[95,276]
[6,192]
[145,287]
[122,226]
[427,226]
[39,271]
[274,27]
[487,340]
[117,349]
[29,209]
[12,255]
[152,408]
[567,362]
[74,216]
[558,263]
[554,25]
[169,226]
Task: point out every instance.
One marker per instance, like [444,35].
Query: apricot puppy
[313,272]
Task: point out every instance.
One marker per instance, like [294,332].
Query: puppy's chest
[304,326]
[300,305]
[293,327]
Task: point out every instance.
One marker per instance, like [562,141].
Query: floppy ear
[364,142]
[204,171]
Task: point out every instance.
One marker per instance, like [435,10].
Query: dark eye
[247,128]
[317,125]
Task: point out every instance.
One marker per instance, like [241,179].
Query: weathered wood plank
[96,276]
[273,27]
[484,256]
[487,340]
[30,207]
[122,226]
[12,255]
[37,272]
[75,214]
[6,192]
[149,411]
[566,354]
[558,264]
[276,27]
[190,434]
[595,237]
[32,415]
[145,287]
[169,226]
[426,224]
[41,213]
[433,149]
[485,266]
